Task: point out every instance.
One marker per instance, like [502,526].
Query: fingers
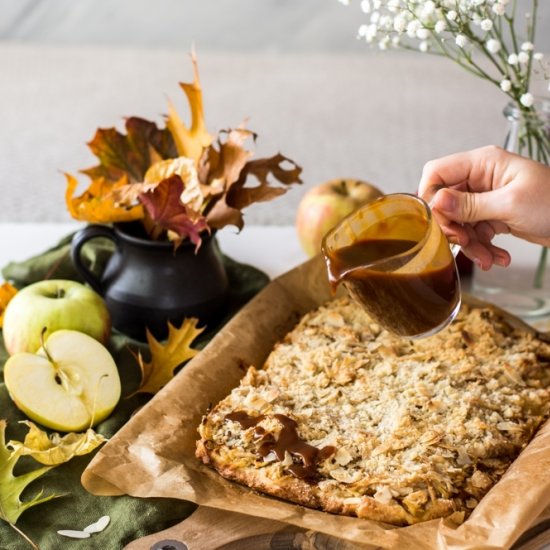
[468,171]
[464,207]
[486,255]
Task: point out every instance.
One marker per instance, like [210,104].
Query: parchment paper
[153,454]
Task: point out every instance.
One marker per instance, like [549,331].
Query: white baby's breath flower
[371,33]
[440,26]
[428,8]
[486,24]
[422,33]
[386,23]
[383,44]
[505,85]
[374,17]
[461,40]
[345,2]
[393,5]
[513,59]
[493,45]
[376,4]
[423,46]
[527,46]
[523,57]
[362,31]
[527,100]
[365,6]
[400,23]
[499,8]
[538,56]
[396,40]
[412,27]
[452,15]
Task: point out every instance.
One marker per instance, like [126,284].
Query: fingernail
[446,202]
[502,261]
[478,263]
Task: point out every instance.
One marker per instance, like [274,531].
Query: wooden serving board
[211,529]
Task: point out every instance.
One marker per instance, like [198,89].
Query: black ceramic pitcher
[147,283]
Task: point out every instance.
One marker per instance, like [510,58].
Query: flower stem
[25,536]
[541,268]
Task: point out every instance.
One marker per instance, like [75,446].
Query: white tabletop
[273,249]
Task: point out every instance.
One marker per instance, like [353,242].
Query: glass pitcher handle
[79,240]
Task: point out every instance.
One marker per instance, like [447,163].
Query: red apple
[322,207]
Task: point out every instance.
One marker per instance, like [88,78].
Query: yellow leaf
[183,167]
[165,357]
[54,450]
[7,292]
[190,142]
[98,204]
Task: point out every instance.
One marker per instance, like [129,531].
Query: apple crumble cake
[346,418]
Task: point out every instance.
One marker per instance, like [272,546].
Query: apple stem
[342,188]
[25,536]
[60,292]
[43,343]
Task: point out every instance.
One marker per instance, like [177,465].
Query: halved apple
[71,383]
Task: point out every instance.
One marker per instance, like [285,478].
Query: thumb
[466,207]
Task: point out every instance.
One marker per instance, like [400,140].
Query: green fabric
[131,518]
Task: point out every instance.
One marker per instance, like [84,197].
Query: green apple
[55,304]
[323,206]
[71,383]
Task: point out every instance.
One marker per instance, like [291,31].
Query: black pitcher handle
[79,240]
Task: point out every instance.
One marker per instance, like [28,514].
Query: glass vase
[523,288]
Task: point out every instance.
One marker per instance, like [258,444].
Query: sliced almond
[74,534]
[99,525]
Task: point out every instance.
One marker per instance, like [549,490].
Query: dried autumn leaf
[7,292]
[227,164]
[129,154]
[164,206]
[11,487]
[55,450]
[166,357]
[240,196]
[227,210]
[98,204]
[183,167]
[191,141]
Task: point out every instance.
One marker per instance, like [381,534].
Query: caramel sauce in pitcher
[407,304]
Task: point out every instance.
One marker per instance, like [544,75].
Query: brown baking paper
[153,455]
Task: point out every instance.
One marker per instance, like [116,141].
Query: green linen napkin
[131,518]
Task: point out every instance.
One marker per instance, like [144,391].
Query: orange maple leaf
[98,204]
[190,142]
[165,358]
[129,154]
[7,292]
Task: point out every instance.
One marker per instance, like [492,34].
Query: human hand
[478,194]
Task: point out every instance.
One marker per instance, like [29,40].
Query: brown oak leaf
[227,210]
[165,358]
[163,205]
